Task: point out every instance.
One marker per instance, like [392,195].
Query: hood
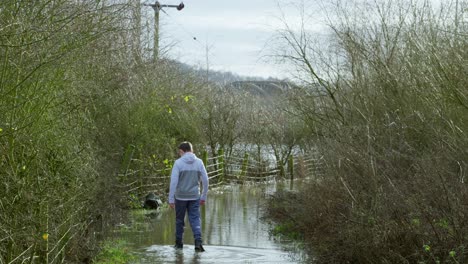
[188,158]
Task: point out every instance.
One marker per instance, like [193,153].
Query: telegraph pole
[157,7]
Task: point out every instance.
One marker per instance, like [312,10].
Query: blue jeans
[193,209]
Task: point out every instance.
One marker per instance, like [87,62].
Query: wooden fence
[225,170]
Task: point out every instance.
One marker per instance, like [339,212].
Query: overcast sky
[237,33]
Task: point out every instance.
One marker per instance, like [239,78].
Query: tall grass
[394,188]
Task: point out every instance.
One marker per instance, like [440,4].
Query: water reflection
[217,254]
[232,232]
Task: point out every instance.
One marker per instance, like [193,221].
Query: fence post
[221,164]
[291,171]
[245,163]
[205,158]
[281,169]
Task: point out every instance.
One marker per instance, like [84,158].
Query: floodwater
[233,232]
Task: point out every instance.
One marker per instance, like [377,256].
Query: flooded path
[233,232]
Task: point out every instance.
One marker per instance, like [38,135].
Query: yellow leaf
[45,236]
[186,98]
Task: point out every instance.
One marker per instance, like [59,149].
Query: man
[184,193]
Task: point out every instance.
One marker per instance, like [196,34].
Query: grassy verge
[114,252]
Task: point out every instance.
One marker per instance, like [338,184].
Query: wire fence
[224,170]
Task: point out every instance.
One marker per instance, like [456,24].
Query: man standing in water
[184,193]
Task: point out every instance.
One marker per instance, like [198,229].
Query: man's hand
[172,205]
[202,202]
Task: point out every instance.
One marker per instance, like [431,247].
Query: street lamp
[158,6]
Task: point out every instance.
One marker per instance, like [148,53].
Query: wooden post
[281,169]
[157,8]
[221,164]
[156,33]
[205,162]
[136,34]
[245,163]
[205,158]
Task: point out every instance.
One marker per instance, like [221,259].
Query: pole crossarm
[158,6]
[176,6]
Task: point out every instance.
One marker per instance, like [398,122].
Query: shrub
[392,133]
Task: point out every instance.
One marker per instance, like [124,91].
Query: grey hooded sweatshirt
[187,173]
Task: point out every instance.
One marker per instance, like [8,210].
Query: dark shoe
[199,247]
[179,245]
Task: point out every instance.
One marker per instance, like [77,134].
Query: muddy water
[233,232]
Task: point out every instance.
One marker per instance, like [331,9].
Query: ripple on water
[213,254]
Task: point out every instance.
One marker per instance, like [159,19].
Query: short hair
[185,146]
